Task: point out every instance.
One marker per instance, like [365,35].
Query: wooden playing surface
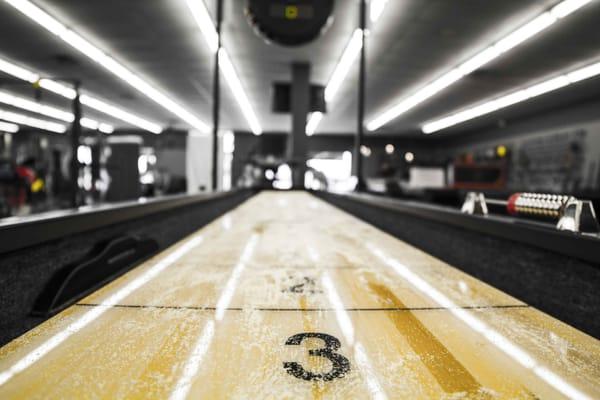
[287,297]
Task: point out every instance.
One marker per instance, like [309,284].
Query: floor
[287,297]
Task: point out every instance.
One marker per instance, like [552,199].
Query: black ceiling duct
[289,22]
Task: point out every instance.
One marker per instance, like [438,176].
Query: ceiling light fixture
[119,113]
[515,38]
[209,32]
[52,112]
[351,51]
[10,128]
[513,98]
[313,122]
[69,93]
[238,91]
[95,125]
[341,70]
[376,8]
[25,104]
[33,122]
[79,43]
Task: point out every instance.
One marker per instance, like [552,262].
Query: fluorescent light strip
[238,92]
[209,32]
[18,72]
[10,128]
[109,63]
[95,125]
[340,72]
[58,88]
[118,113]
[313,122]
[376,8]
[32,122]
[515,38]
[205,23]
[512,98]
[351,51]
[65,91]
[495,338]
[25,104]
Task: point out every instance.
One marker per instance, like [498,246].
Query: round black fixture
[289,22]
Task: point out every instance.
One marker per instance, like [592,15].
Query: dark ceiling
[413,43]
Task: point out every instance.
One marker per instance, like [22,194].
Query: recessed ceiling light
[518,36]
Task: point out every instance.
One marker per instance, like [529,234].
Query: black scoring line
[501,306]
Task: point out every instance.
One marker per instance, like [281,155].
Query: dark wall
[555,150]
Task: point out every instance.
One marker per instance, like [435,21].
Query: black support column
[216,100]
[75,135]
[357,169]
[298,141]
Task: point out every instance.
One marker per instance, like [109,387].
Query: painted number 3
[340,364]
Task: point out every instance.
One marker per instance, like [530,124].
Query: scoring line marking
[501,306]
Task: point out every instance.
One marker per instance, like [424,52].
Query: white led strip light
[207,27]
[25,104]
[33,122]
[65,91]
[515,38]
[86,48]
[10,128]
[341,70]
[351,51]
[513,98]
[376,8]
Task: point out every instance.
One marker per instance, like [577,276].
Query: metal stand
[358,140]
[475,204]
[572,214]
[579,216]
[75,135]
[216,99]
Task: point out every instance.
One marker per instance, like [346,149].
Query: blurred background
[130,113]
